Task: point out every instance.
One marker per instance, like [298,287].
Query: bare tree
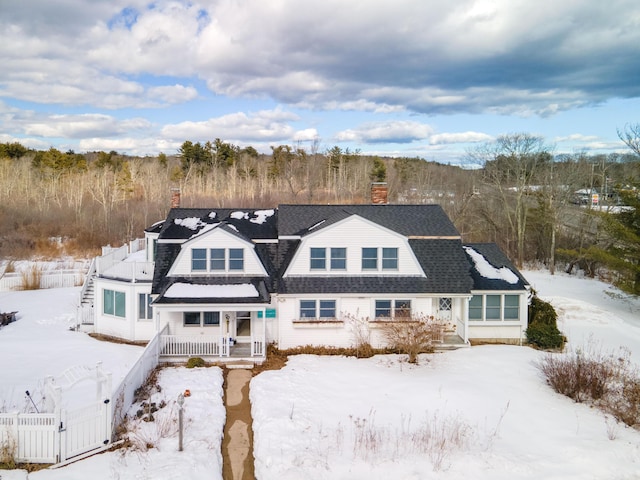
[630,135]
[511,166]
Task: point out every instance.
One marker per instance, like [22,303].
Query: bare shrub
[8,451]
[361,333]
[436,436]
[412,335]
[609,381]
[30,278]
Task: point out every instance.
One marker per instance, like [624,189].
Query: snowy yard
[481,413]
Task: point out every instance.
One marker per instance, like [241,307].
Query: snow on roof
[317,224]
[487,270]
[239,215]
[262,215]
[192,223]
[187,290]
[206,228]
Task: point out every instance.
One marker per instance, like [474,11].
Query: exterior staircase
[84,314]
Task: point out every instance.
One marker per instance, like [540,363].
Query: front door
[243,327]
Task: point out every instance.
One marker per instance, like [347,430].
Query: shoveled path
[237,444]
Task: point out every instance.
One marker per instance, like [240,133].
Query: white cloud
[399,131]
[173,93]
[463,137]
[265,125]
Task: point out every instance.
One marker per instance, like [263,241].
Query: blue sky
[427,78]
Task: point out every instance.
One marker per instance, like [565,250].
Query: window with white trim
[145,310]
[393,309]
[338,258]
[388,256]
[310,309]
[114,303]
[201,319]
[217,259]
[318,258]
[494,308]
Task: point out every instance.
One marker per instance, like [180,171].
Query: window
[317,309]
[307,309]
[201,319]
[114,303]
[145,311]
[318,258]
[192,319]
[402,309]
[216,259]
[198,259]
[211,318]
[475,308]
[389,258]
[327,309]
[338,259]
[236,259]
[511,307]
[494,308]
[444,304]
[383,308]
[393,309]
[369,258]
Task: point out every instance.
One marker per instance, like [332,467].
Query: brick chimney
[379,193]
[175,197]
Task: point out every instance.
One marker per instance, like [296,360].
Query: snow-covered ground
[481,413]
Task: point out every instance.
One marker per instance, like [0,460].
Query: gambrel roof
[277,234]
[408,220]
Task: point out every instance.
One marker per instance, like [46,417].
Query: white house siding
[294,333]
[354,233]
[129,327]
[174,318]
[505,331]
[217,238]
[511,333]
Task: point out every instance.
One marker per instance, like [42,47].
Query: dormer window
[217,259]
[370,258]
[318,258]
[199,259]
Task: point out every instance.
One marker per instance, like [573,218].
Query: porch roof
[216,290]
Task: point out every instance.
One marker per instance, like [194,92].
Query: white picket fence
[62,434]
[53,279]
[124,396]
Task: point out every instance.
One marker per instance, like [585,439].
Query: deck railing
[189,345]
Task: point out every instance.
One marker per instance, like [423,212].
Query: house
[223,283]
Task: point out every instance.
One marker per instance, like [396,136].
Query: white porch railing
[257,348]
[84,315]
[189,345]
[130,271]
[113,264]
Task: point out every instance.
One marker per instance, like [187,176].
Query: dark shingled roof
[443,261]
[250,226]
[492,253]
[408,220]
[447,267]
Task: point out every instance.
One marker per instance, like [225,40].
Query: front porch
[210,348]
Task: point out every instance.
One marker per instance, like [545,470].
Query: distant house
[223,283]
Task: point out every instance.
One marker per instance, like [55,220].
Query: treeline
[518,195]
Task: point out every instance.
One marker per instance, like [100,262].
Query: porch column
[465,318]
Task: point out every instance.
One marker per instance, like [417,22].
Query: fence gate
[86,428]
[83,429]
